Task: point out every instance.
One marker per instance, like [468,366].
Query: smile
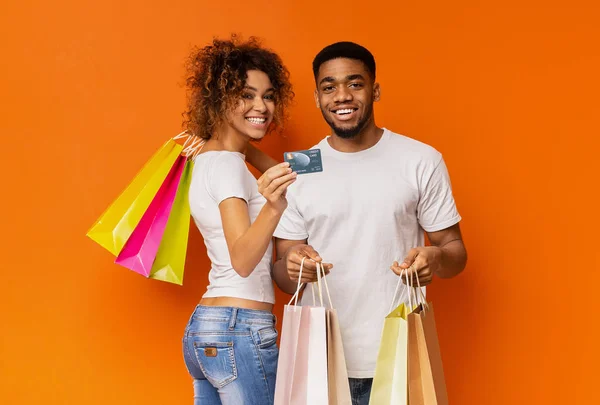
[256,121]
[345,111]
[345,114]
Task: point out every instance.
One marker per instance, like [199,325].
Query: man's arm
[445,258]
[287,266]
[259,159]
[452,247]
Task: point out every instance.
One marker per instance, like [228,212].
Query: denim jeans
[360,389]
[232,355]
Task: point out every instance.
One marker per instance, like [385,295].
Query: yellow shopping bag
[170,259]
[117,223]
[390,383]
[391,380]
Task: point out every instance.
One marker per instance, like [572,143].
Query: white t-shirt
[362,212]
[219,175]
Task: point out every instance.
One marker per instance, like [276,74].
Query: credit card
[304,161]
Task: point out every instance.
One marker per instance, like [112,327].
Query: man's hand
[309,269]
[421,262]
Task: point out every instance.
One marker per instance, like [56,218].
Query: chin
[256,136]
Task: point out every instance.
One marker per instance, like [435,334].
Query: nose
[343,94]
[259,105]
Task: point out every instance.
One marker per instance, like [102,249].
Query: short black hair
[345,49]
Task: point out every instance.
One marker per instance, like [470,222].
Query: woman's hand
[274,183]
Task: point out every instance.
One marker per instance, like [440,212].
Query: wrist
[438,259]
[273,210]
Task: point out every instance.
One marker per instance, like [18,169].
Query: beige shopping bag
[427,382]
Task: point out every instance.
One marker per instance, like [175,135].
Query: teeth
[345,111]
[257,120]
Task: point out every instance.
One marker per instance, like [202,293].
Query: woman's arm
[247,242]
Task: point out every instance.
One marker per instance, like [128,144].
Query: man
[366,212]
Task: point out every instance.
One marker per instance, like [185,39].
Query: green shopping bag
[117,223]
[170,259]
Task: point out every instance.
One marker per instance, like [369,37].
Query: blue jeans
[232,355]
[360,389]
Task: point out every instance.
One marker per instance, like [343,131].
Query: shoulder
[230,162]
[404,147]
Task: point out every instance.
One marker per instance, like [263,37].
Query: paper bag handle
[295,296]
[419,296]
[320,270]
[413,292]
[321,277]
[193,144]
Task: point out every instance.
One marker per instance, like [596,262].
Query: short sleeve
[229,178]
[292,225]
[436,209]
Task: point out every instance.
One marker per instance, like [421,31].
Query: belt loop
[233,318]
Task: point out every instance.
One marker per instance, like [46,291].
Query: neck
[367,138]
[225,137]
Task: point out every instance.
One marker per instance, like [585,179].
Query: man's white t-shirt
[362,212]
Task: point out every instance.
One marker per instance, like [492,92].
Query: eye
[270,97]
[356,85]
[328,89]
[248,96]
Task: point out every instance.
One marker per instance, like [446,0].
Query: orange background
[508,92]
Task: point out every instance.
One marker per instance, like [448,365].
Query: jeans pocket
[217,361]
[267,337]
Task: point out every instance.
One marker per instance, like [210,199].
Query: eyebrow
[255,89]
[330,79]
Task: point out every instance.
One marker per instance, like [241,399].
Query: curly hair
[216,76]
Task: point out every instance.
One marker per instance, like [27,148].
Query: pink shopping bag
[140,250]
[302,370]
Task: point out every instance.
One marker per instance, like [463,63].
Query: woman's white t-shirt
[217,176]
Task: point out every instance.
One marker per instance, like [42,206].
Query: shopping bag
[290,332]
[302,369]
[147,227]
[429,387]
[170,259]
[310,377]
[337,373]
[391,370]
[116,224]
[140,250]
[391,380]
[415,382]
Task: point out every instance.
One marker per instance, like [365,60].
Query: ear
[376,92]
[316,94]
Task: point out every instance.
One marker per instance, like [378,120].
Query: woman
[237,93]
